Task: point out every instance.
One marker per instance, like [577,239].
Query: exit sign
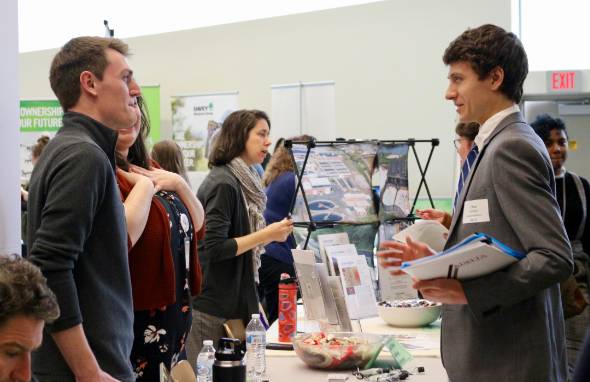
[564,81]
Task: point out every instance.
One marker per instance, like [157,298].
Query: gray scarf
[255,198]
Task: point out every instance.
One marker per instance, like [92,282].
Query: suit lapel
[509,120]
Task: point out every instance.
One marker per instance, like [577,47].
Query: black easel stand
[311,225]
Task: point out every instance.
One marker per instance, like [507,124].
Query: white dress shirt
[490,125]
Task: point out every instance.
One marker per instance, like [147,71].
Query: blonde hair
[281,161]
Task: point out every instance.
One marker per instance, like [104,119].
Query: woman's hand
[279,231]
[162,179]
[134,178]
[431,214]
[442,217]
[396,252]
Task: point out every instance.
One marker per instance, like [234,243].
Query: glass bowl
[337,351]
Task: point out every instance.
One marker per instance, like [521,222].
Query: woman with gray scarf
[235,230]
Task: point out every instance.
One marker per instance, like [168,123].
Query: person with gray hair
[26,304]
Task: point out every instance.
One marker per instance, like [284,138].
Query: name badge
[476,211]
[187,252]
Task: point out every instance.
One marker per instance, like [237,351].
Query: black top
[573,209]
[77,236]
[229,290]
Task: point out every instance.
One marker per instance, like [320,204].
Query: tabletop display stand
[312,225]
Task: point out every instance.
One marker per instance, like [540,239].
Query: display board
[392,170]
[37,118]
[334,194]
[196,120]
[337,183]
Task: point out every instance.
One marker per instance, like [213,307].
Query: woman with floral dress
[164,219]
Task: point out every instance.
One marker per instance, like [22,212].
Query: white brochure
[309,283]
[328,240]
[357,287]
[335,251]
[430,232]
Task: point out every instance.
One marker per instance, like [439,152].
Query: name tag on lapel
[476,211]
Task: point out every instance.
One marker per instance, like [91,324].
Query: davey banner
[196,121]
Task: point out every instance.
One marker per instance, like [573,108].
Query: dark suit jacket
[512,327]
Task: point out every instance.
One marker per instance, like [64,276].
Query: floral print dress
[160,334]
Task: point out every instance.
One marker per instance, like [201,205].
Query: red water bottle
[287,308]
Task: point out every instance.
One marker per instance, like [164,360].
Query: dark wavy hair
[488,47]
[24,291]
[544,123]
[138,153]
[467,130]
[231,140]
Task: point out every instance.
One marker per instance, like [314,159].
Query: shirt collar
[490,125]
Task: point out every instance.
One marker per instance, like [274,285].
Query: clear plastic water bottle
[205,362]
[255,349]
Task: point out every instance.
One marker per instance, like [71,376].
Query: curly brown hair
[24,291]
[488,47]
[281,160]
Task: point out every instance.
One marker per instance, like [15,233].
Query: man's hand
[74,347]
[100,377]
[447,291]
[396,252]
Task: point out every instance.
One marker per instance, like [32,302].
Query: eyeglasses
[457,142]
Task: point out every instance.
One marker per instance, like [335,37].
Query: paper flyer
[393,287]
[325,240]
[309,283]
[357,287]
[335,251]
[430,232]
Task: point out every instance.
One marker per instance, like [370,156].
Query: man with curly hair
[507,325]
[26,304]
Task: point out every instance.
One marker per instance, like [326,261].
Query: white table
[285,366]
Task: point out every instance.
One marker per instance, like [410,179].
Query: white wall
[385,59]
[9,144]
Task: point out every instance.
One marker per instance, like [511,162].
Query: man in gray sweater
[76,228]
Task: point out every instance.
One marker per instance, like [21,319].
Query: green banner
[46,115]
[45,118]
[151,96]
[40,116]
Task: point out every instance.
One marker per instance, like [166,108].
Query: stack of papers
[429,232]
[477,255]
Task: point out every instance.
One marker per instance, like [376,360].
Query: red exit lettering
[563,80]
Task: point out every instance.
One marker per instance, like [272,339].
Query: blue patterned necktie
[471,157]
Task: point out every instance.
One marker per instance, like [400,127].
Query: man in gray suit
[507,325]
